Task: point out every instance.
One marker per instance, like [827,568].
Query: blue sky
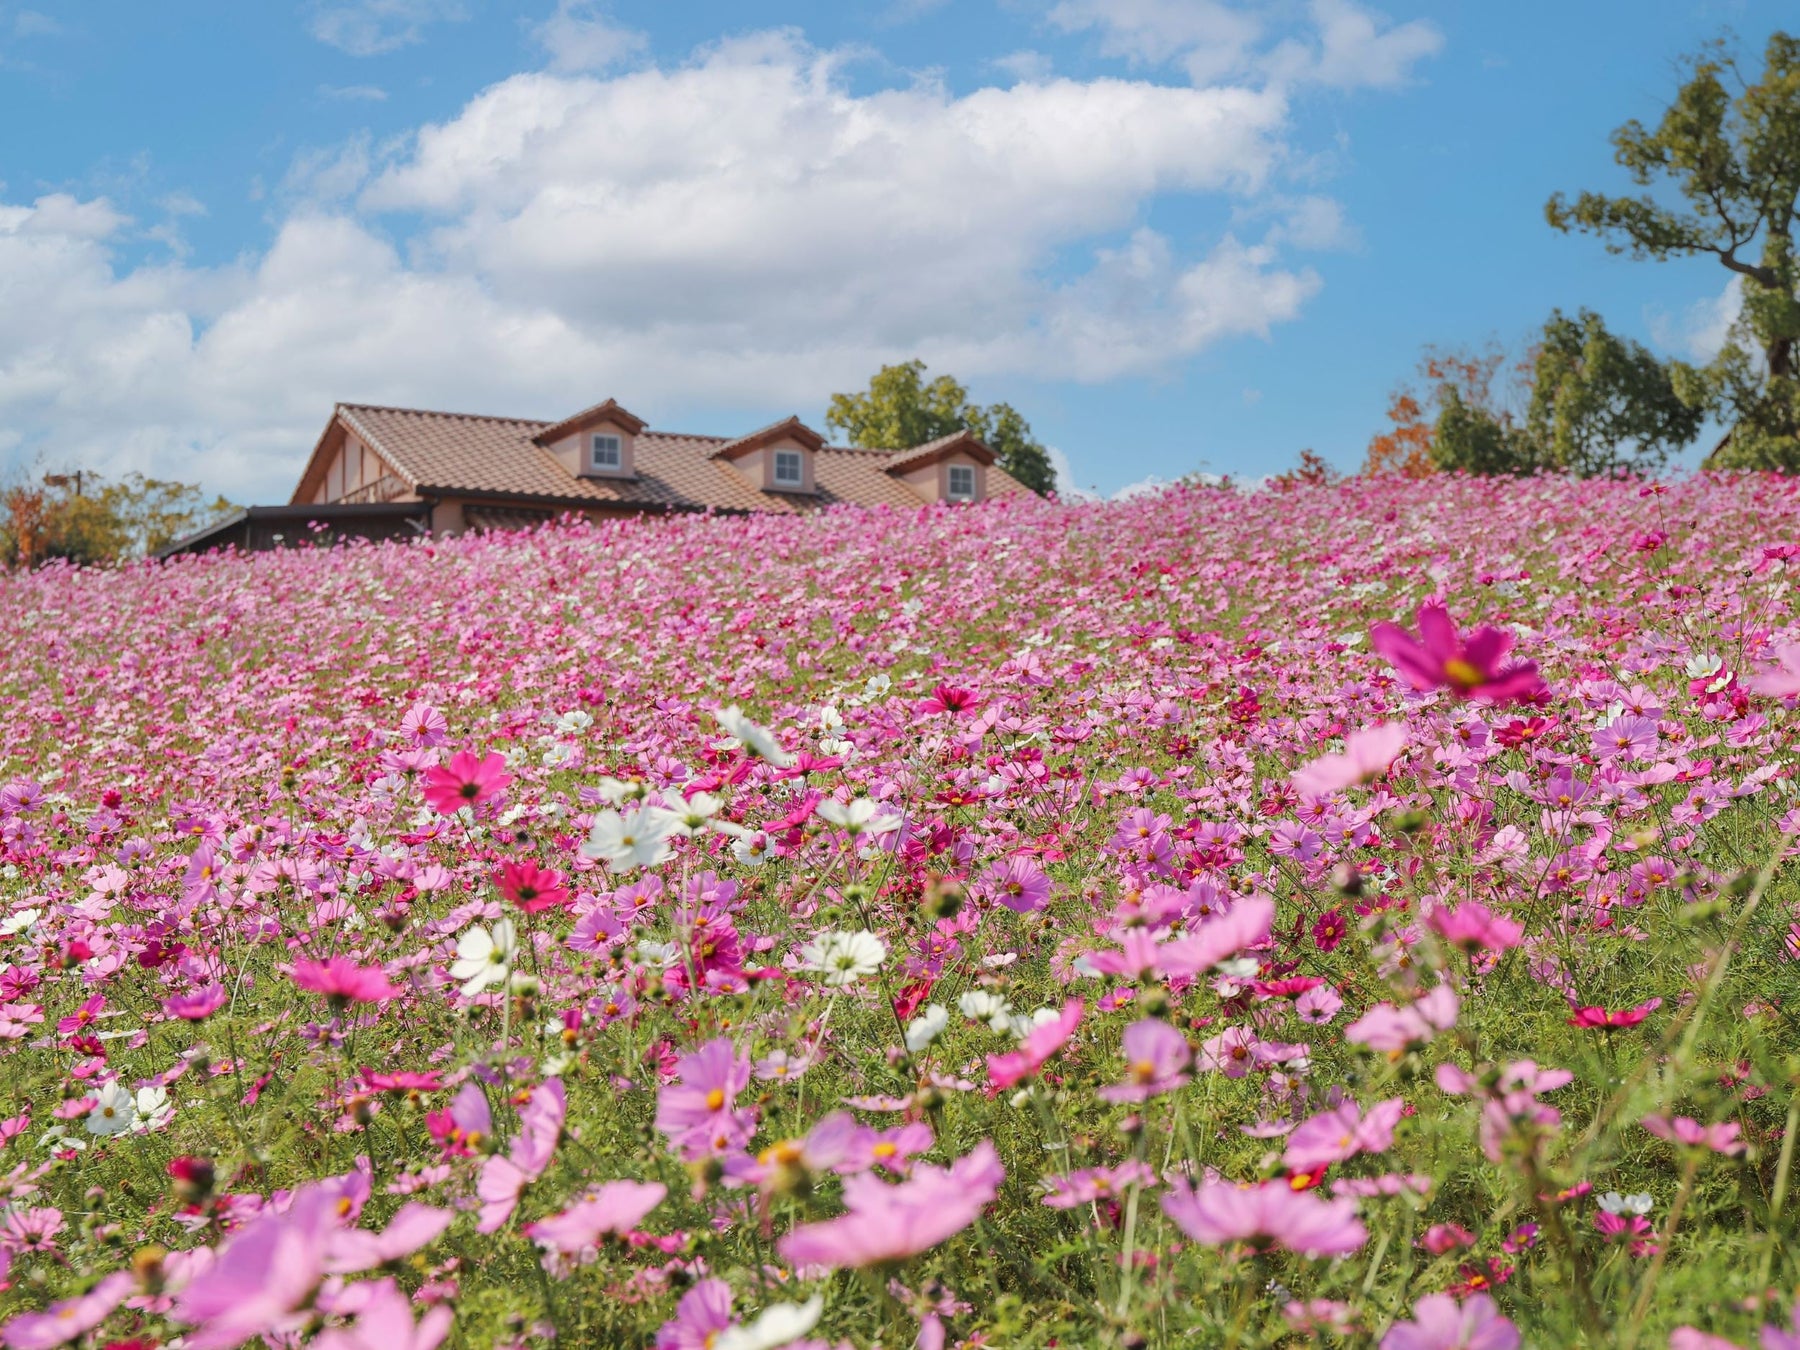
[1177,234]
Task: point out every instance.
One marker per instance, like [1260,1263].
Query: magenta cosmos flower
[1611,1020]
[530,887]
[892,1222]
[465,781]
[1441,1323]
[1265,1214]
[1157,1058]
[1469,668]
[343,981]
[1035,1049]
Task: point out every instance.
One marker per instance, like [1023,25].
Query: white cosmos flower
[574,723]
[688,816]
[831,721]
[626,842]
[838,748]
[154,1109]
[558,754]
[484,957]
[758,740]
[844,958]
[926,1027]
[17,923]
[113,1111]
[618,791]
[777,1326]
[752,850]
[859,815]
[1614,1203]
[982,1006]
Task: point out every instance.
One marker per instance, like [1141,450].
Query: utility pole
[63,480]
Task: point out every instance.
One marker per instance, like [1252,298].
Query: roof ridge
[439,412]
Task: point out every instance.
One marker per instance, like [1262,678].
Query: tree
[1482,385]
[82,518]
[1601,403]
[900,410]
[1722,179]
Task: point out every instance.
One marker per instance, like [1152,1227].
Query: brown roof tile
[967,441]
[498,458]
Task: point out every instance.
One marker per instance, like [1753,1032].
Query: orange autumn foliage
[1405,447]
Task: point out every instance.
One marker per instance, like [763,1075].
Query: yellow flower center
[715,1099]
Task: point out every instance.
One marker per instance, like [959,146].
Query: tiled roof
[467,456]
[924,454]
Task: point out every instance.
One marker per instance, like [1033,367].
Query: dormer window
[962,483]
[606,454]
[790,469]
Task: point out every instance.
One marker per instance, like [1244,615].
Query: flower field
[1354,915]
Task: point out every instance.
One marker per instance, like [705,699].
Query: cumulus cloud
[580,35]
[741,230]
[1699,331]
[373,27]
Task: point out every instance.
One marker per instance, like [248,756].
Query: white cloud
[1700,330]
[579,35]
[1344,45]
[372,27]
[1030,66]
[742,230]
[353,93]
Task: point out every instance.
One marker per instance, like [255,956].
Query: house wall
[758,466]
[571,450]
[354,466]
[932,481]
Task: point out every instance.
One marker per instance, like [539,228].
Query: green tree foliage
[1474,438]
[1601,403]
[900,409]
[85,519]
[1721,174]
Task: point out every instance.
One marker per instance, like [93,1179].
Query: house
[386,472]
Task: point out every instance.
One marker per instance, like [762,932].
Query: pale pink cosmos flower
[704,1312]
[1441,1323]
[1720,1138]
[413,1226]
[1395,1030]
[615,1207]
[1035,1049]
[1157,1058]
[1474,927]
[1269,1212]
[503,1180]
[384,1321]
[263,1277]
[1781,680]
[699,1113]
[892,1222]
[1095,1183]
[1332,1136]
[1366,756]
[196,1005]
[424,725]
[70,1319]
[1246,924]
[1692,1338]
[1018,883]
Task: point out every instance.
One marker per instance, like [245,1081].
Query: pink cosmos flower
[1782,680]
[465,1126]
[1246,924]
[70,1319]
[1332,1136]
[342,981]
[1594,1016]
[1269,1212]
[699,1114]
[1470,668]
[1096,1183]
[1474,927]
[1721,1138]
[350,1250]
[1018,883]
[384,1321]
[1157,1058]
[1440,1323]
[1396,1030]
[424,725]
[503,1180]
[615,1207]
[892,1222]
[1367,755]
[1692,1338]
[465,781]
[704,1312]
[196,1005]
[1035,1049]
[263,1277]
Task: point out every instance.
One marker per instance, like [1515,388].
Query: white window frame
[799,462]
[617,446]
[950,483]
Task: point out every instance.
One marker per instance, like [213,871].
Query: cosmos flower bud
[147,1265]
[1347,880]
[193,1178]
